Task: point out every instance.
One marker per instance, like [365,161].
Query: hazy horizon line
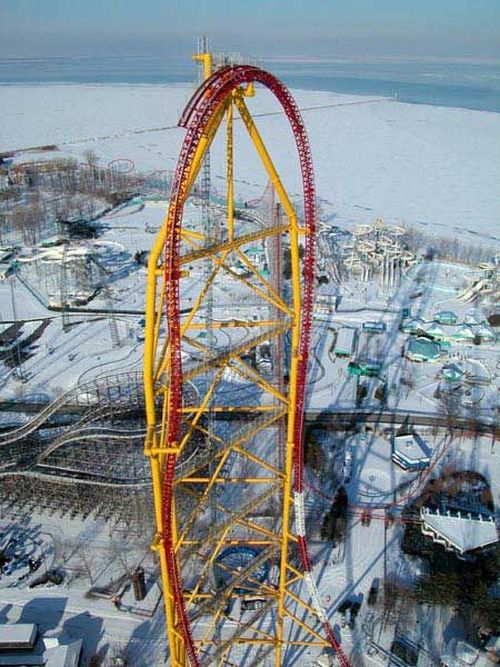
[271,57]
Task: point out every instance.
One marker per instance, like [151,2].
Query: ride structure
[226,354]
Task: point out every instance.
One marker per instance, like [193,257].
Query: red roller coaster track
[206,101]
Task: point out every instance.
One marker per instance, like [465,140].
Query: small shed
[346,342]
[375,327]
[51,241]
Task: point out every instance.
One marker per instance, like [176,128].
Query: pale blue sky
[467,28]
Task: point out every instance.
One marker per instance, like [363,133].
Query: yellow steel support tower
[245,601]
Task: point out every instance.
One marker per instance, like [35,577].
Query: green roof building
[368,368]
[435,331]
[446,317]
[452,373]
[413,326]
[253,251]
[423,349]
[485,333]
[464,333]
[375,327]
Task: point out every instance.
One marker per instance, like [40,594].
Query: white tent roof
[462,532]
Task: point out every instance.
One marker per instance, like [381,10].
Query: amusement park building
[452,373]
[485,333]
[446,317]
[459,333]
[435,331]
[346,342]
[366,368]
[461,654]
[410,452]
[423,349]
[415,325]
[458,531]
[375,327]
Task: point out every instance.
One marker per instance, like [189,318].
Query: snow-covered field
[419,164]
[436,167]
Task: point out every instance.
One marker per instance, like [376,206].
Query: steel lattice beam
[179,509]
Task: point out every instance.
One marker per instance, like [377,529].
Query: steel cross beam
[165,380]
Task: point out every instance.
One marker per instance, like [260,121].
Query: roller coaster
[231,534]
[224,402]
[81,455]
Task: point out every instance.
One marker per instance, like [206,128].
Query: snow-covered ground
[433,166]
[88,556]
[346,571]
[437,167]
[406,163]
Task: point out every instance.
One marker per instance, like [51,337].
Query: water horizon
[466,84]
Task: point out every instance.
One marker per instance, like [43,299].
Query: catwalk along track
[231,525]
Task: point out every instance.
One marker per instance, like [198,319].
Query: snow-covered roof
[493,644]
[464,331]
[444,316]
[345,340]
[477,372]
[472,396]
[411,448]
[466,652]
[471,318]
[64,656]
[461,654]
[452,372]
[423,348]
[414,324]
[485,331]
[435,329]
[462,531]
[17,635]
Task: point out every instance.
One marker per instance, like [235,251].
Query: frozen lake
[436,167]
